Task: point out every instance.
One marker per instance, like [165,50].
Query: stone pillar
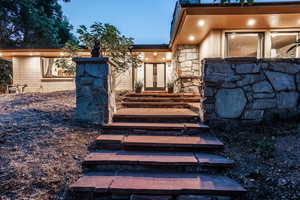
[93,90]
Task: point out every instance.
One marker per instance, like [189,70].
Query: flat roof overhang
[151,48]
[10,53]
[266,15]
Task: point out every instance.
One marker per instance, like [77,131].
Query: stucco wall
[27,70]
[250,89]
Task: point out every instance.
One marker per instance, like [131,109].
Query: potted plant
[138,86]
[170,87]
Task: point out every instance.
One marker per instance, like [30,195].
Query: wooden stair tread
[143,141]
[161,99]
[157,183]
[156,125]
[139,157]
[174,141]
[156,158]
[160,112]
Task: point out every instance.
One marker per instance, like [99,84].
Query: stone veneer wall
[187,68]
[95,101]
[249,90]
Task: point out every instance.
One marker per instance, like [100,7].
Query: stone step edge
[193,159]
[157,183]
[156,125]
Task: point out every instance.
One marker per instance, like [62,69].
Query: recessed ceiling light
[31,54]
[155,53]
[164,58]
[251,22]
[191,38]
[201,23]
[1,54]
[62,53]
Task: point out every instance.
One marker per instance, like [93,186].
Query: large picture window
[58,67]
[244,45]
[282,42]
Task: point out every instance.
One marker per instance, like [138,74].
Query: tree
[106,40]
[33,24]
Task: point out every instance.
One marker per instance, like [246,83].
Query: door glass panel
[161,75]
[244,45]
[281,43]
[149,75]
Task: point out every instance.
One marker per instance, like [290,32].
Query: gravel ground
[41,148]
[267,159]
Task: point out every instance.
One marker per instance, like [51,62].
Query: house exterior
[198,31]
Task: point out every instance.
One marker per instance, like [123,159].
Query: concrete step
[156,143]
[162,95]
[155,128]
[144,160]
[162,99]
[155,105]
[128,183]
[156,118]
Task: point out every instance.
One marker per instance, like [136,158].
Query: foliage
[33,24]
[170,85]
[138,85]
[5,75]
[265,147]
[66,64]
[112,44]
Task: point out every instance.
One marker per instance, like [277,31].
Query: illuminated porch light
[62,54]
[1,54]
[191,38]
[155,53]
[201,23]
[251,22]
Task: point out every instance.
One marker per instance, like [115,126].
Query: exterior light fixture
[1,54]
[62,53]
[155,53]
[191,38]
[164,58]
[31,54]
[201,23]
[251,22]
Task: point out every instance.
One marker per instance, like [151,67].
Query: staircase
[155,149]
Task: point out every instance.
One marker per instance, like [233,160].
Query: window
[58,67]
[244,45]
[281,43]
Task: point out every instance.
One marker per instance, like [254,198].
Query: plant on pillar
[106,40]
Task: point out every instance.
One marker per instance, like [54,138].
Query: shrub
[5,75]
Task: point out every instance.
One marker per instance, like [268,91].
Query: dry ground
[40,146]
[41,149]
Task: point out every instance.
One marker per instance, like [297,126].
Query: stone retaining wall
[94,94]
[249,89]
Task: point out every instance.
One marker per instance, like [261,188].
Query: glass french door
[155,76]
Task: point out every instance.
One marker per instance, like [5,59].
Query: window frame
[261,37]
[54,77]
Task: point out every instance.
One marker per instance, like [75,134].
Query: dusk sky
[148,21]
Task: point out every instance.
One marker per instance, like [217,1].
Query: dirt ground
[41,150]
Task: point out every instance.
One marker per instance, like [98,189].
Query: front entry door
[155,76]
